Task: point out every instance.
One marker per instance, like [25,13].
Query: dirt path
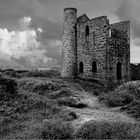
[97,111]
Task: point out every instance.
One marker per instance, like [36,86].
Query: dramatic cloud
[31,30]
[22,47]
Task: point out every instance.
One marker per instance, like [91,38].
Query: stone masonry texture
[95,43]
[69,51]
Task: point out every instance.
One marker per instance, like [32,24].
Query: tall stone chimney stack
[69,46]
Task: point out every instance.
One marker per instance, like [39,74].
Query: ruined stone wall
[119,51]
[97,45]
[93,47]
[69,48]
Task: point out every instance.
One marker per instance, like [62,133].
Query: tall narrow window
[81,67]
[87,30]
[119,71]
[94,66]
[93,38]
[109,32]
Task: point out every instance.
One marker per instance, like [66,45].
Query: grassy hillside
[28,103]
[41,105]
[126,96]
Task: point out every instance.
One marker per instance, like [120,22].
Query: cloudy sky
[31,30]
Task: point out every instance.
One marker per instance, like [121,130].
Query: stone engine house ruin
[95,49]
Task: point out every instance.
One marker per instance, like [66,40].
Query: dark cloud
[51,30]
[129,10]
[53,49]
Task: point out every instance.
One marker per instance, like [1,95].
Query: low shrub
[132,86]
[57,129]
[133,109]
[71,102]
[39,86]
[43,73]
[122,95]
[113,99]
[8,88]
[45,86]
[52,111]
[28,103]
[10,73]
[127,96]
[60,94]
[27,83]
[66,115]
[92,86]
[108,130]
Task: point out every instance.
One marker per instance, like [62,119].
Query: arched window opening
[81,67]
[119,71]
[94,66]
[87,30]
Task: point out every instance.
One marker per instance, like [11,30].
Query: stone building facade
[95,49]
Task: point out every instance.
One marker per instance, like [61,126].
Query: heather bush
[60,94]
[43,73]
[92,86]
[133,109]
[108,130]
[10,73]
[39,86]
[132,86]
[57,129]
[8,88]
[66,115]
[45,86]
[27,83]
[127,96]
[114,99]
[123,95]
[72,102]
